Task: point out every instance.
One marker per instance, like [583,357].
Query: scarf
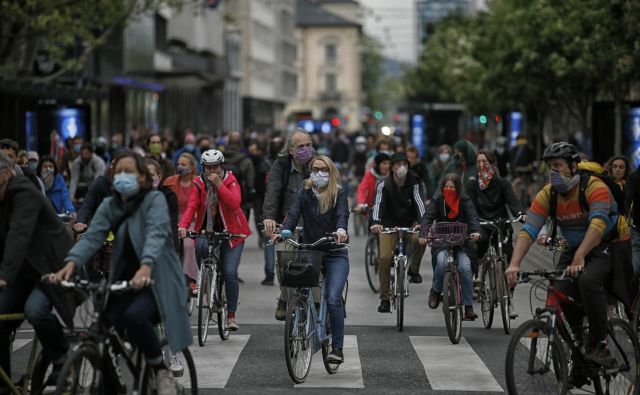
[452,200]
[485,175]
[211,201]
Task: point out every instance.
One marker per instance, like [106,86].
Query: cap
[397,157]
[33,155]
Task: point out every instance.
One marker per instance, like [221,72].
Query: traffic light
[498,118]
[335,122]
[483,119]
[378,115]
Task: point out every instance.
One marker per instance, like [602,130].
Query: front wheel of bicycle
[331,368]
[79,374]
[487,293]
[371,255]
[186,379]
[204,304]
[504,297]
[221,301]
[452,307]
[536,363]
[624,348]
[400,293]
[298,344]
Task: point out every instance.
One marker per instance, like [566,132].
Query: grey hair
[289,142]
[5,162]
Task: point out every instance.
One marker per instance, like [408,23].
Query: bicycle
[399,281]
[211,291]
[494,287]
[543,350]
[94,361]
[307,321]
[450,235]
[371,256]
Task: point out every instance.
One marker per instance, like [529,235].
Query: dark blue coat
[59,196]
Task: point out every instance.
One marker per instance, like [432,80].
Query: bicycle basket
[447,234]
[298,268]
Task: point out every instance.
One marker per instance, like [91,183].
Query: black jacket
[172,202]
[492,202]
[279,196]
[33,241]
[398,206]
[98,190]
[632,192]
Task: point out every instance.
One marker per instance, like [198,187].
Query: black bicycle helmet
[562,150]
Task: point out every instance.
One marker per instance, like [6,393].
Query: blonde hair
[192,162]
[327,198]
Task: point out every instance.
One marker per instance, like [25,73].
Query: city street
[378,358]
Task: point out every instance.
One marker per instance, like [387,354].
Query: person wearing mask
[189,147]
[12,149]
[154,146]
[451,205]
[444,154]
[204,143]
[383,145]
[399,202]
[261,165]
[322,204]
[182,184]
[144,254]
[101,148]
[242,167]
[340,149]
[359,158]
[117,144]
[502,156]
[73,146]
[32,160]
[84,171]
[285,179]
[33,242]
[464,161]
[172,199]
[216,206]
[367,187]
[521,158]
[420,169]
[54,185]
[98,191]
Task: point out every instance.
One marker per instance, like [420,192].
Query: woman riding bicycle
[54,186]
[215,203]
[450,205]
[322,203]
[367,187]
[144,254]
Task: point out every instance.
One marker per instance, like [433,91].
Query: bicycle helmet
[211,157]
[562,150]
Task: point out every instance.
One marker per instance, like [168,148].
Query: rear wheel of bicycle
[221,301]
[451,307]
[78,374]
[504,297]
[487,293]
[187,379]
[534,363]
[204,304]
[371,254]
[400,294]
[298,347]
[623,346]
[331,368]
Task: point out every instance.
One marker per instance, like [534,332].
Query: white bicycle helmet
[211,157]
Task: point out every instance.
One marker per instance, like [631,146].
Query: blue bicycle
[307,327]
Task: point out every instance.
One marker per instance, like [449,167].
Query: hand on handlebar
[79,227]
[577,265]
[542,240]
[341,236]
[422,242]
[182,233]
[475,236]
[376,228]
[64,274]
[512,275]
[269,227]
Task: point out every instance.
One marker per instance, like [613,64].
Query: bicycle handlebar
[316,243]
[400,229]
[497,222]
[547,274]
[118,286]
[215,235]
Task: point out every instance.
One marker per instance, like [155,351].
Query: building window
[330,83]
[330,53]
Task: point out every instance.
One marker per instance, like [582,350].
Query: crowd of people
[150,194]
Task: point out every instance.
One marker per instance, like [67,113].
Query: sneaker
[266,281]
[165,383]
[469,314]
[232,325]
[385,306]
[240,281]
[512,311]
[193,287]
[281,310]
[335,356]
[600,355]
[175,366]
[52,380]
[434,299]
[415,278]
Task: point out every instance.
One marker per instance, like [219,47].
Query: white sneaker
[512,311]
[232,325]
[175,366]
[165,383]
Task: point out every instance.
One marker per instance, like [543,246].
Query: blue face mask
[77,148]
[33,165]
[189,147]
[126,184]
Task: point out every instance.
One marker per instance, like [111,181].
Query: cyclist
[54,185]
[367,188]
[438,164]
[491,195]
[84,170]
[322,204]
[464,161]
[216,205]
[451,205]
[619,168]
[521,158]
[589,238]
[98,191]
[398,202]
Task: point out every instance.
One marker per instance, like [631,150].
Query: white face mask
[402,171]
[444,157]
[320,179]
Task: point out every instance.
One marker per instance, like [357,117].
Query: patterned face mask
[485,174]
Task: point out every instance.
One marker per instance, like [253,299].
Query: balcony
[330,96]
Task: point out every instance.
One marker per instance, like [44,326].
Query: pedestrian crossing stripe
[349,375]
[216,360]
[19,343]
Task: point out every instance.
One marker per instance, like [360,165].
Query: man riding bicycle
[398,203]
[589,235]
[522,157]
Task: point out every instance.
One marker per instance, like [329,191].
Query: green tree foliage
[371,60]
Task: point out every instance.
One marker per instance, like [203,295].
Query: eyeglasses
[317,170]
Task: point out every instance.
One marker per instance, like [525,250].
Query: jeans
[336,266]
[388,243]
[136,313]
[230,258]
[464,268]
[269,260]
[635,245]
[26,296]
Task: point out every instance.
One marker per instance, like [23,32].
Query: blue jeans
[464,268]
[635,246]
[336,265]
[26,296]
[269,260]
[230,258]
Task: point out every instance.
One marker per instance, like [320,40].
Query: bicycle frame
[316,326]
[4,377]
[452,266]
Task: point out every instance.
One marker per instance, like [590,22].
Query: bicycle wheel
[535,364]
[504,297]
[400,293]
[204,304]
[221,307]
[79,374]
[297,343]
[371,254]
[331,368]
[487,293]
[451,307]
[623,345]
[187,382]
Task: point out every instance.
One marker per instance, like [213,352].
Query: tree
[371,61]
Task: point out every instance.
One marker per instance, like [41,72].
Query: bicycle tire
[400,293]
[624,347]
[298,347]
[69,381]
[528,344]
[331,368]
[204,304]
[487,295]
[371,264]
[504,298]
[221,308]
[451,308]
[191,377]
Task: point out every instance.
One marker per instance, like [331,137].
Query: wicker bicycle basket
[447,234]
[298,268]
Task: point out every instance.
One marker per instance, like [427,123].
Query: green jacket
[150,231]
[471,171]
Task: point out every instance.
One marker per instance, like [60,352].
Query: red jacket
[367,189]
[229,199]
